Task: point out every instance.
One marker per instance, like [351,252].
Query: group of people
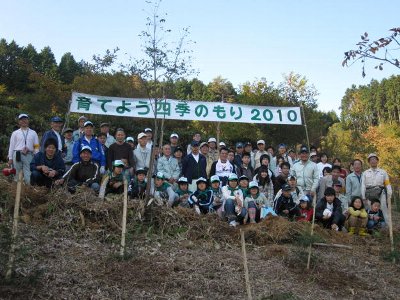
[240,184]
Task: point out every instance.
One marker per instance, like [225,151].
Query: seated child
[217,194]
[202,199]
[306,210]
[329,211]
[232,198]
[114,181]
[182,192]
[138,184]
[285,206]
[357,218]
[376,219]
[256,203]
[163,190]
[244,185]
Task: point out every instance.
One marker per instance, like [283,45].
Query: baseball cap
[141,135]
[304,149]
[182,180]
[214,178]
[232,176]
[286,187]
[253,184]
[212,140]
[203,144]
[21,116]
[195,143]
[130,139]
[243,177]
[292,177]
[178,149]
[86,148]
[118,163]
[175,135]
[201,179]
[82,118]
[104,125]
[148,130]
[261,142]
[222,144]
[141,171]
[68,129]
[56,119]
[239,145]
[88,123]
[305,199]
[372,155]
[160,175]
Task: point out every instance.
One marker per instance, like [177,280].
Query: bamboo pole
[15,226]
[389,202]
[312,231]
[124,213]
[246,268]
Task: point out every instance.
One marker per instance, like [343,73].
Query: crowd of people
[241,184]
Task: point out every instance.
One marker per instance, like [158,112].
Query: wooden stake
[312,231]
[333,245]
[246,269]
[15,226]
[389,202]
[124,212]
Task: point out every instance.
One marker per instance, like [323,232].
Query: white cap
[141,135]
[212,140]
[148,129]
[174,135]
[261,142]
[118,163]
[86,148]
[313,153]
[23,116]
[222,144]
[130,139]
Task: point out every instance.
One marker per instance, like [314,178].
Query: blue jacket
[192,169]
[51,135]
[57,163]
[97,151]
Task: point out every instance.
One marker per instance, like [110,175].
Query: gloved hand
[102,170]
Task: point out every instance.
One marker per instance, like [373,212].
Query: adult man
[173,139]
[24,142]
[261,150]
[69,145]
[83,173]
[353,181]
[120,150]
[375,184]
[149,135]
[306,173]
[196,138]
[142,154]
[54,133]
[194,165]
[77,134]
[248,148]
[105,128]
[90,140]
[239,153]
[222,167]
[327,181]
[213,151]
[283,153]
[168,165]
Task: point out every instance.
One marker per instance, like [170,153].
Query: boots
[363,232]
[352,230]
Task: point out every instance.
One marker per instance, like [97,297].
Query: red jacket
[305,215]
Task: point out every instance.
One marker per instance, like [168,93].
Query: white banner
[184,110]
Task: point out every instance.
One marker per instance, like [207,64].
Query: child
[329,210]
[376,219]
[115,183]
[182,192]
[358,217]
[217,194]
[285,206]
[265,183]
[256,203]
[233,201]
[202,199]
[306,211]
[244,185]
[137,186]
[163,190]
[296,191]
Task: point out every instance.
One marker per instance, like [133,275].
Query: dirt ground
[68,248]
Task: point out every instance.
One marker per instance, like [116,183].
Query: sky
[242,41]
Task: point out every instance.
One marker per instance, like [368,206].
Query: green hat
[160,175]
[214,178]
[182,180]
[253,184]
[118,163]
[232,176]
[200,180]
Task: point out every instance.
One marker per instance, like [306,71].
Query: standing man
[194,165]
[353,181]
[105,128]
[24,143]
[120,150]
[328,180]
[261,150]
[196,138]
[282,151]
[142,153]
[306,173]
[56,124]
[69,145]
[90,140]
[149,135]
[173,139]
[168,165]
[77,134]
[238,154]
[375,185]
